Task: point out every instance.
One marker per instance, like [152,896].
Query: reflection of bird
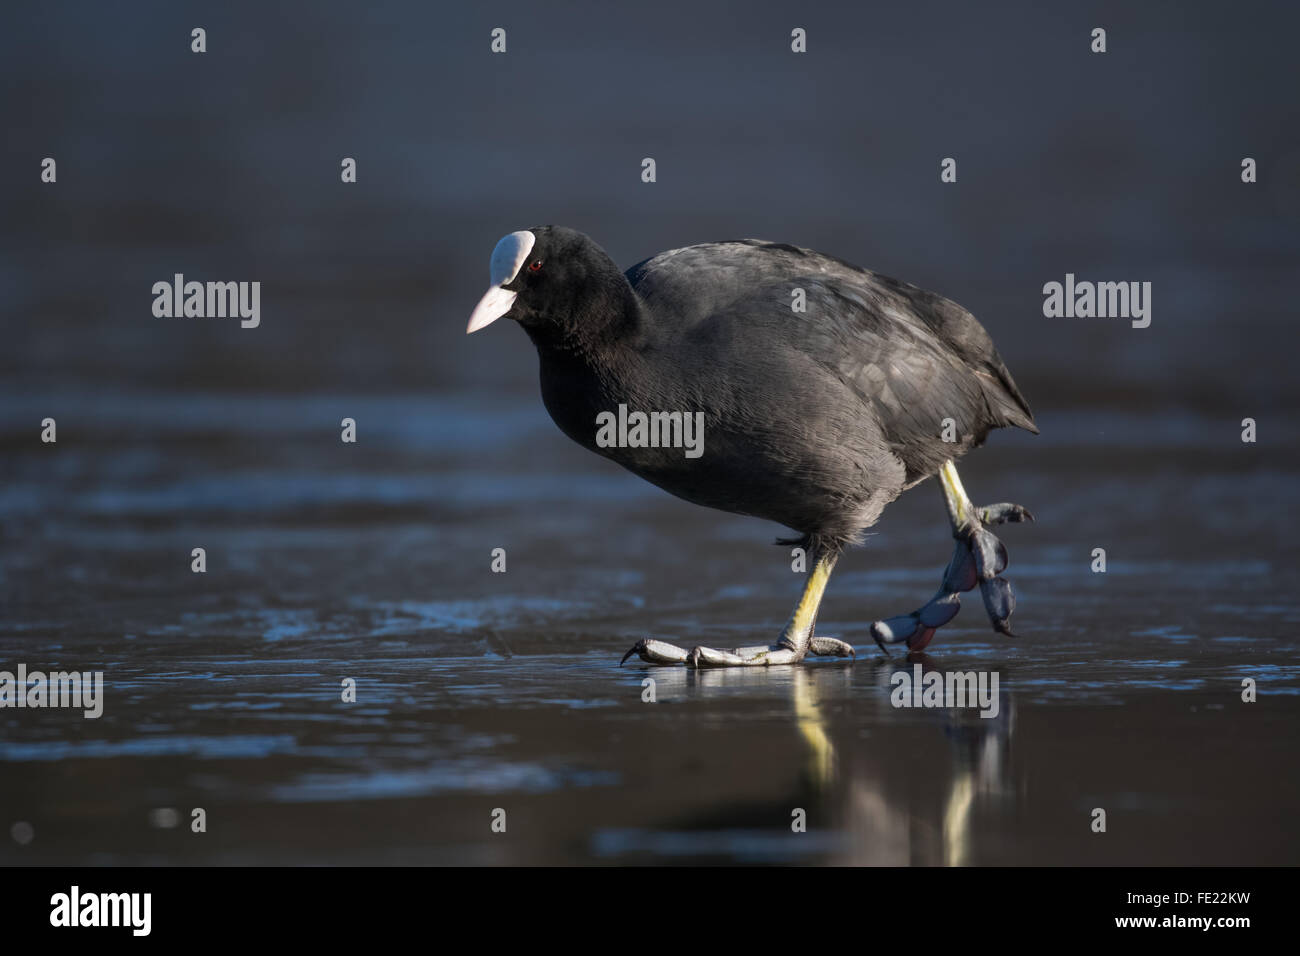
[888,807]
[811,721]
[866,802]
[981,769]
[814,417]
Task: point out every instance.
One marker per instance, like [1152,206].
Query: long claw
[656,652]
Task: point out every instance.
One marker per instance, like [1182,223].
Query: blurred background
[371,560]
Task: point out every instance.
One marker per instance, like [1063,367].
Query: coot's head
[555,282]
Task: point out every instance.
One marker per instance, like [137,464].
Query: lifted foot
[978,558]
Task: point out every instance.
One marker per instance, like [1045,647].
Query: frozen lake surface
[478,691]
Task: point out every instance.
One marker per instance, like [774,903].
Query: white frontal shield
[507,259]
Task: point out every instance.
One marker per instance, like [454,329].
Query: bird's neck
[592,363]
[602,329]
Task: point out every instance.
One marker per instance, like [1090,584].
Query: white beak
[492,306]
[507,258]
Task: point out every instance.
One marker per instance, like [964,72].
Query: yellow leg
[798,632]
[960,511]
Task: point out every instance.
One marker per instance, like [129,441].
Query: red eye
[535,265]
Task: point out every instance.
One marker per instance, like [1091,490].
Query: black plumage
[815,419]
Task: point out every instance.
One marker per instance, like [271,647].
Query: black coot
[768,380]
